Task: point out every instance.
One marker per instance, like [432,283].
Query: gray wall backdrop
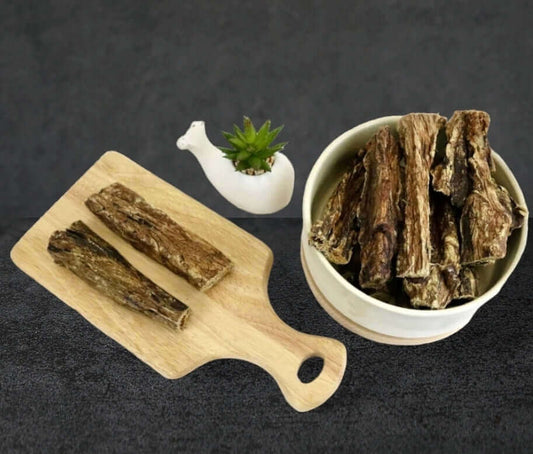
[80,78]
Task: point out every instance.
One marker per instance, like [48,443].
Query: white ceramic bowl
[369,316]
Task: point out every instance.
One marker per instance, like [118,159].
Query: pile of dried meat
[411,227]
[151,231]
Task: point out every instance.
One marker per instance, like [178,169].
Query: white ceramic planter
[368,316]
[258,194]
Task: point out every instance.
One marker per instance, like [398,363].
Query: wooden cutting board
[234,319]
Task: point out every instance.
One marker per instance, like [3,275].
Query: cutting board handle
[288,355]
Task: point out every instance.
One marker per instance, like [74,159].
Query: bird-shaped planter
[261,192]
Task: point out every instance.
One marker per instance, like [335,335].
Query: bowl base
[350,325]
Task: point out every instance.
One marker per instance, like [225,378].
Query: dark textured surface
[64,386]
[81,77]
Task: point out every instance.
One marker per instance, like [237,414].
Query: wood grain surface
[234,319]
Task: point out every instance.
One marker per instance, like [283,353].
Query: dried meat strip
[335,233]
[418,137]
[99,264]
[450,177]
[438,289]
[468,287]
[518,213]
[431,291]
[379,212]
[489,214]
[154,233]
[444,233]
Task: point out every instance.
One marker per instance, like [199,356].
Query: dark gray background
[80,78]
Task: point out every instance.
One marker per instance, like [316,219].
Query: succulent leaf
[255,162]
[243,156]
[264,154]
[237,143]
[252,148]
[274,133]
[227,135]
[262,133]
[242,166]
[249,130]
[239,134]
[265,166]
[278,147]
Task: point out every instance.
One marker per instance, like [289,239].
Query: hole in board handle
[310,369]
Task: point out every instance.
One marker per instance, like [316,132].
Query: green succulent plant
[251,149]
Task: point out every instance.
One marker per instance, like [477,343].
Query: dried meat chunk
[489,214]
[437,290]
[350,271]
[431,291]
[379,212]
[468,287]
[518,212]
[95,261]
[445,247]
[418,137]
[450,177]
[154,233]
[335,234]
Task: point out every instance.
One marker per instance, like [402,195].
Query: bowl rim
[310,188]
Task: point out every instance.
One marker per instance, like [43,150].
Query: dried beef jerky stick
[418,137]
[154,233]
[450,177]
[437,290]
[489,214]
[99,264]
[441,287]
[335,234]
[445,249]
[518,213]
[467,288]
[431,291]
[379,212]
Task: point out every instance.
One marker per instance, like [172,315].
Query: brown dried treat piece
[154,233]
[379,212]
[99,264]
[467,288]
[518,212]
[351,270]
[431,291]
[489,214]
[437,290]
[445,248]
[418,136]
[335,234]
[450,177]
